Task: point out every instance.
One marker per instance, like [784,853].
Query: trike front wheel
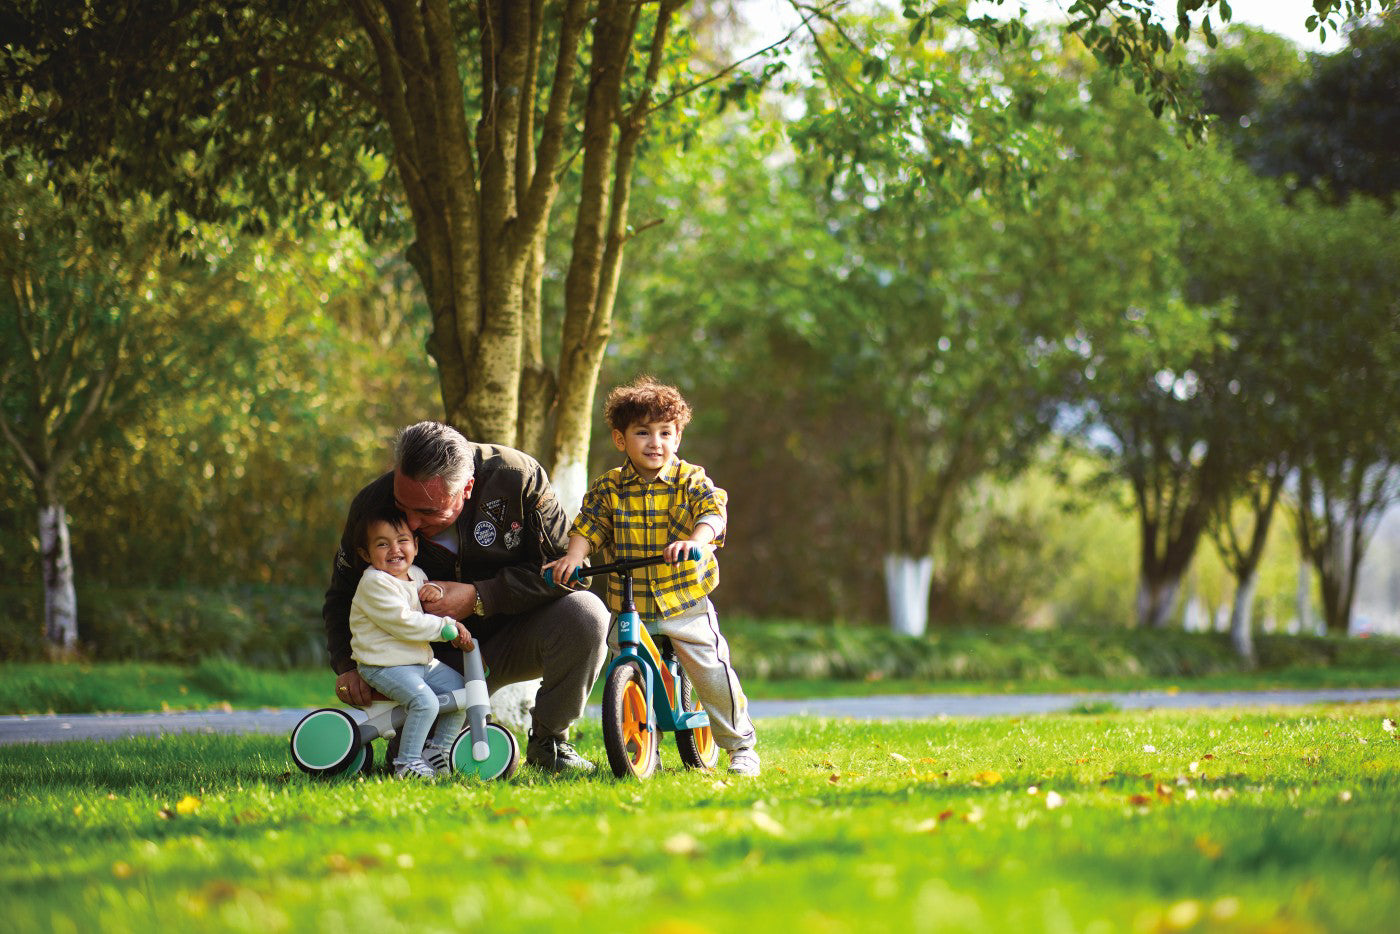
[628,734]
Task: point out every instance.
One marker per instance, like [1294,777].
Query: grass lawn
[1249,821]
[38,688]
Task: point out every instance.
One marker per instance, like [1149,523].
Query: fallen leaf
[833,778]
[165,814]
[122,870]
[1344,796]
[926,826]
[1148,747]
[767,824]
[974,816]
[681,844]
[898,758]
[945,815]
[1190,794]
[1388,725]
[1209,755]
[187,805]
[1208,847]
[1053,800]
[1222,794]
[1183,914]
[1140,799]
[987,777]
[1033,790]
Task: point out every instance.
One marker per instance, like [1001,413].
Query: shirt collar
[669,475]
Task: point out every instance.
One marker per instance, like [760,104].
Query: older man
[486,520]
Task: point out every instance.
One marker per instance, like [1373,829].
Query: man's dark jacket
[509,528]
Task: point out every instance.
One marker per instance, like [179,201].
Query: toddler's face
[389,548]
[650,446]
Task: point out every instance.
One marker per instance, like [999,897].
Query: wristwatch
[480,608]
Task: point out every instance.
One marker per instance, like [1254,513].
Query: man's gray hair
[432,449]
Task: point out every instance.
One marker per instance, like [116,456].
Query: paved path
[51,729]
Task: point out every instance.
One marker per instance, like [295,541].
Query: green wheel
[627,734]
[326,742]
[696,747]
[502,757]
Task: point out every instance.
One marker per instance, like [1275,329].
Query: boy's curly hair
[646,400]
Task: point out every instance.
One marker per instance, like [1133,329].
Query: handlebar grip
[574,578]
[449,632]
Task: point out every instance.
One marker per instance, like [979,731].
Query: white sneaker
[439,757]
[414,768]
[743,761]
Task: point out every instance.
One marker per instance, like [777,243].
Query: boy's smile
[650,446]
[389,549]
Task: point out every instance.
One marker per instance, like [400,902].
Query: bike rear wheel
[696,747]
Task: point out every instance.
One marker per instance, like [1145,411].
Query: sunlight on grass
[1113,821]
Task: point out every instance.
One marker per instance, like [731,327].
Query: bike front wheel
[628,735]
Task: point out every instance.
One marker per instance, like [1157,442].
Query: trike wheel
[326,742]
[628,735]
[502,758]
[696,747]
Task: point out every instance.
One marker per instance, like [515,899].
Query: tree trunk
[60,598]
[1156,595]
[1241,618]
[907,582]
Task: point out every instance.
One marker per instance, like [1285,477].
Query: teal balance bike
[646,691]
[330,742]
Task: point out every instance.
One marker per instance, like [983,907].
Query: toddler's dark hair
[386,513]
[645,400]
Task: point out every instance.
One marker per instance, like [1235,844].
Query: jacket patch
[496,509]
[512,537]
[484,533]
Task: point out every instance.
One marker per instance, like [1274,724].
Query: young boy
[389,636]
[656,502]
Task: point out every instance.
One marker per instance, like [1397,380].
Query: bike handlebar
[579,574]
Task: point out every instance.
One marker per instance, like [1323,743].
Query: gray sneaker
[439,757]
[743,761]
[414,768]
[555,755]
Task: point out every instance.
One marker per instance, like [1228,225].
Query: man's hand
[352,689]
[457,601]
[464,638]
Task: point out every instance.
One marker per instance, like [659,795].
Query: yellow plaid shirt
[629,517]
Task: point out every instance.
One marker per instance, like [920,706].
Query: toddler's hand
[464,638]
[430,592]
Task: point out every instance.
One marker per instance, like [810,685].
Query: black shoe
[555,755]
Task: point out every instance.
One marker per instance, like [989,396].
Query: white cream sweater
[387,623]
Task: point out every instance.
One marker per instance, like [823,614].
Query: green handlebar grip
[573,578]
[449,632]
[693,554]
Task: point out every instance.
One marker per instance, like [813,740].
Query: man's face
[427,504]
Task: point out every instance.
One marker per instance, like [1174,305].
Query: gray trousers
[563,644]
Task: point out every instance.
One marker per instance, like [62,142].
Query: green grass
[1277,821]
[38,688]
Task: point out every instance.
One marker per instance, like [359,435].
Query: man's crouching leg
[563,644]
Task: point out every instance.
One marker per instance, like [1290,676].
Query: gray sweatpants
[704,654]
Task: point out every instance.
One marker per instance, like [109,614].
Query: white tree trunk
[1154,605]
[60,599]
[1242,618]
[570,480]
[907,582]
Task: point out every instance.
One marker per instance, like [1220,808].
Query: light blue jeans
[416,687]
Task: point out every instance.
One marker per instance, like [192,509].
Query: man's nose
[414,522]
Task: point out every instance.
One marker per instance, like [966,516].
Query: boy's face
[650,446]
[389,548]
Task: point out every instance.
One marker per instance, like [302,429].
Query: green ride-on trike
[331,743]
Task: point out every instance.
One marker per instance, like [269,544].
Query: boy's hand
[680,551]
[563,571]
[464,638]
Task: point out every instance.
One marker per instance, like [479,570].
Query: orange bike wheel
[696,747]
[627,735]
